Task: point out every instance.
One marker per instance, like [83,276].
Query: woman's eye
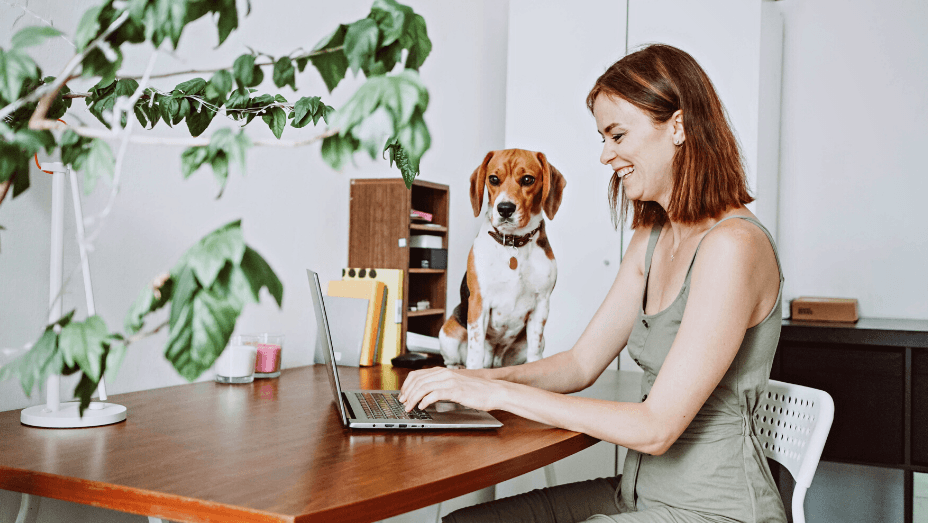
[617,137]
[494,180]
[528,180]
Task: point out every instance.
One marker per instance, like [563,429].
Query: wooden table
[274,450]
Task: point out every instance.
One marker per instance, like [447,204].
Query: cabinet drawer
[867,384]
[920,406]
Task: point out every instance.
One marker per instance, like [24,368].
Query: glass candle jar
[236,364]
[269,348]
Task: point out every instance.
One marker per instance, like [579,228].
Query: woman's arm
[726,292]
[602,340]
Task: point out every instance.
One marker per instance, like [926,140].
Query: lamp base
[68,416]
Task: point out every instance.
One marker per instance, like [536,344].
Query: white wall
[852,213]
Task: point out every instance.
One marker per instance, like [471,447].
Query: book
[347,318]
[375,293]
[391,345]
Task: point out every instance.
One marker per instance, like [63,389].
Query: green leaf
[201,333]
[183,110]
[15,68]
[184,290]
[192,159]
[97,162]
[331,65]
[415,138]
[33,35]
[88,28]
[223,245]
[373,131]
[360,43]
[276,119]
[220,164]
[284,74]
[34,366]
[259,274]
[301,63]
[228,19]
[305,110]
[192,86]
[420,46]
[199,120]
[82,343]
[31,141]
[220,84]
[146,303]
[337,149]
[114,357]
[243,69]
[21,182]
[391,17]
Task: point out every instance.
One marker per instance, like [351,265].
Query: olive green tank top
[716,470]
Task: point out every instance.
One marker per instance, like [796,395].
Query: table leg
[28,509]
[908,496]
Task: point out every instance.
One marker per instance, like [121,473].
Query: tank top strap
[773,244]
[652,241]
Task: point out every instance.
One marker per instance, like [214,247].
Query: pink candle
[268,358]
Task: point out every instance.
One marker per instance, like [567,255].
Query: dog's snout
[505,209]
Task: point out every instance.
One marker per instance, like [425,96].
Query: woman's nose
[606,155]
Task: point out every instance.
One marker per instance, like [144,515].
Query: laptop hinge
[351,415]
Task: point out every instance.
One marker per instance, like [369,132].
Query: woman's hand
[425,387]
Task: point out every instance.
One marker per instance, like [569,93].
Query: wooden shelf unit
[379,232]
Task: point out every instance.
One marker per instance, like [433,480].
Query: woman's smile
[625,171]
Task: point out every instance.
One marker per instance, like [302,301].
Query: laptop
[381,409]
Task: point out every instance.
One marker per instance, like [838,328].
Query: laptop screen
[324,339]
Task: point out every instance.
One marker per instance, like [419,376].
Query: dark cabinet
[868,387]
[876,370]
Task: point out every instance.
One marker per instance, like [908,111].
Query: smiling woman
[696,303]
[708,173]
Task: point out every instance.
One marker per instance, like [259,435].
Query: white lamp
[55,414]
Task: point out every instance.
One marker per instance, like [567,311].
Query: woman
[696,301]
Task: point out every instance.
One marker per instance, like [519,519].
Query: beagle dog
[511,269]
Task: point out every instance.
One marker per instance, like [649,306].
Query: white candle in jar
[237,361]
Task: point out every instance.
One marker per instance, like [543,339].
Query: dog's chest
[511,294]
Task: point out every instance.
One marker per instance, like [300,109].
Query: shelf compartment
[426,271]
[441,229]
[426,312]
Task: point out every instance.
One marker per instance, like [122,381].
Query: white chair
[792,423]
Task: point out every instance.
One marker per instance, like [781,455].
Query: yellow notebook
[393,318]
[375,293]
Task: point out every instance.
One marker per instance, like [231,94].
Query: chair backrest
[792,423]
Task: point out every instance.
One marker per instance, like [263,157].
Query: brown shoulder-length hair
[708,173]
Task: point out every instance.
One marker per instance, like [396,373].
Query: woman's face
[638,151]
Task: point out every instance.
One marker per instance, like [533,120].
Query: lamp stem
[56,265]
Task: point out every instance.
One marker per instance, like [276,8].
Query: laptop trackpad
[449,406]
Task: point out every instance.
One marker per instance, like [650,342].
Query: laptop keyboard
[380,405]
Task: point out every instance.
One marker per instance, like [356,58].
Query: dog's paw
[454,365]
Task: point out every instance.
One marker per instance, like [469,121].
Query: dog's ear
[478,181]
[553,188]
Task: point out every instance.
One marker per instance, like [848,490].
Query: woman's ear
[478,181]
[679,134]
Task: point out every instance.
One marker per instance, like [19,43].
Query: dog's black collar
[508,240]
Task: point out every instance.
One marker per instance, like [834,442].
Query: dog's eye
[494,180]
[527,180]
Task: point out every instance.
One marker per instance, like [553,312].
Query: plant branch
[121,107]
[260,64]
[142,335]
[47,95]
[187,142]
[5,186]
